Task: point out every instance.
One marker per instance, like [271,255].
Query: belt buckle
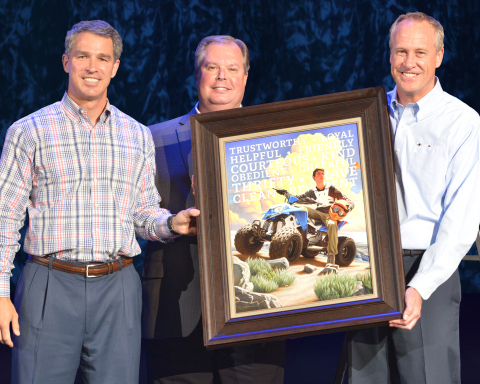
[87,275]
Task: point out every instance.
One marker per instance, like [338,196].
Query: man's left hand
[185,222]
[412,312]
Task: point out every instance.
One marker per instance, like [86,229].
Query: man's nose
[222,74]
[91,65]
[409,61]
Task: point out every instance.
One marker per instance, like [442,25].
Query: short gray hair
[222,39]
[419,17]
[97,27]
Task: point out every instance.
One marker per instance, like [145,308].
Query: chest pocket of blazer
[428,165]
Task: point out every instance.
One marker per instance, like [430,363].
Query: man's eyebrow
[83,53]
[86,53]
[105,55]
[215,63]
[414,49]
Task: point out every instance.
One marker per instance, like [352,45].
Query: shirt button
[96,205]
[94,180]
[97,230]
[396,150]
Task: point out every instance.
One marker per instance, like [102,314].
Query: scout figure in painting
[329,206]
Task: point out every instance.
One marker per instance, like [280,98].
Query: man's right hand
[413,310]
[8,315]
[185,222]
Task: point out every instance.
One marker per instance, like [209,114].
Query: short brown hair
[419,17]
[316,170]
[222,39]
[97,27]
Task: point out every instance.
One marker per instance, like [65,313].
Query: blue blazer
[171,282]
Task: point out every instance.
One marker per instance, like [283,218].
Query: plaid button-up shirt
[87,189]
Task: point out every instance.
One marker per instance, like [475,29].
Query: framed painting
[298,232]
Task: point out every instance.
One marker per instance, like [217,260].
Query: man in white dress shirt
[436,152]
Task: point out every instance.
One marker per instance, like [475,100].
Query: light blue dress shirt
[436,149]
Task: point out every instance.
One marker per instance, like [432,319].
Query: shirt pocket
[428,165]
[56,178]
[124,173]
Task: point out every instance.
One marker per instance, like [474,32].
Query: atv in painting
[292,233]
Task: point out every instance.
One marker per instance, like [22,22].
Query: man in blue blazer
[171,316]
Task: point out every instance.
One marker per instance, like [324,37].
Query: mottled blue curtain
[297,48]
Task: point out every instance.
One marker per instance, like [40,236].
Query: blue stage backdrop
[298,48]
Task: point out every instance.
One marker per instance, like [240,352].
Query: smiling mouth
[221,88]
[91,79]
[409,74]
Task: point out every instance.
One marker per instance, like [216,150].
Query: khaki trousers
[331,227]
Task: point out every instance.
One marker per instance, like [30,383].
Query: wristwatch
[170,226]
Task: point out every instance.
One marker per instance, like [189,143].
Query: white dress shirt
[198,111]
[436,149]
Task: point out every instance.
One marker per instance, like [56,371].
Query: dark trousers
[429,353]
[68,321]
[185,360]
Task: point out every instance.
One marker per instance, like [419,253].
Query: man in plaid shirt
[84,171]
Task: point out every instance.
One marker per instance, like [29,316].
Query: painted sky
[286,161]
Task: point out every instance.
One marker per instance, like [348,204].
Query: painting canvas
[278,250]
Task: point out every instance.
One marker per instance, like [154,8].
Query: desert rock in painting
[250,301]
[301,290]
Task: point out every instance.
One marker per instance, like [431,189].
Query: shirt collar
[430,101]
[424,105]
[197,110]
[75,112]
[325,185]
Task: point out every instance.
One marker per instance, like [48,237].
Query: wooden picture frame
[305,119]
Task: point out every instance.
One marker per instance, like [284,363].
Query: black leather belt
[413,252]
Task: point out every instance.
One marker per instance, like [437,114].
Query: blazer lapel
[185,141]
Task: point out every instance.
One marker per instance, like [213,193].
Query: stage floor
[312,360]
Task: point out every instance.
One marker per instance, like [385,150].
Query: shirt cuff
[5,284]
[423,285]
[161,228]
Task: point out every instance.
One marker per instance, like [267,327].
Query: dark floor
[313,359]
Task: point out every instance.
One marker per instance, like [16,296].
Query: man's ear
[115,68]
[439,58]
[65,61]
